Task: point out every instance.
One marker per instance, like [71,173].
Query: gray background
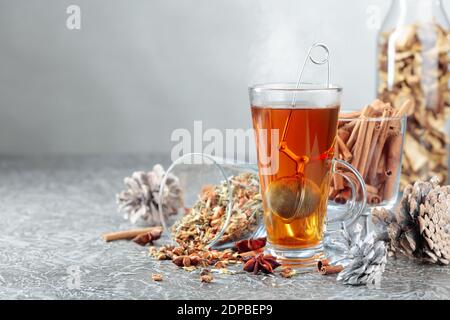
[138,69]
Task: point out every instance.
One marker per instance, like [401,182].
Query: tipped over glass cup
[221,202]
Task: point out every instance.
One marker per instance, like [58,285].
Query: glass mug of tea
[295,128]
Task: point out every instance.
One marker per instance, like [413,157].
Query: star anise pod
[148,237]
[250,245]
[261,262]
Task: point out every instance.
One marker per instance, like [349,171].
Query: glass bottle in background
[413,58]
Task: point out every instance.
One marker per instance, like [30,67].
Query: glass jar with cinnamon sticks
[371,140]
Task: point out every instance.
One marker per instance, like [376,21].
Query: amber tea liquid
[311,135]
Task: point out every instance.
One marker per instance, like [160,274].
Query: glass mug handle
[355,206]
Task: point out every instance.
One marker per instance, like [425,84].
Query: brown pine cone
[419,228]
[434,219]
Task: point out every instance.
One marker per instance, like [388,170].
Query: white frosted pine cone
[367,260]
[140,200]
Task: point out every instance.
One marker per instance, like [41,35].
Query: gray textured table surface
[53,211]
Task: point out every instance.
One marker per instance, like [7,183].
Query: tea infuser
[307,197]
[325,60]
[280,187]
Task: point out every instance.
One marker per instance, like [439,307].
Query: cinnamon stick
[327,270]
[357,146]
[322,263]
[392,165]
[360,139]
[378,106]
[371,188]
[348,126]
[381,191]
[354,135]
[374,198]
[343,149]
[373,144]
[128,234]
[381,170]
[344,135]
[324,267]
[394,128]
[379,146]
[338,182]
[350,115]
[343,196]
[333,192]
[363,163]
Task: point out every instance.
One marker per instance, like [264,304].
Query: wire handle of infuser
[325,60]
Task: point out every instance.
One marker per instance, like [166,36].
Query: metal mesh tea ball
[284,197]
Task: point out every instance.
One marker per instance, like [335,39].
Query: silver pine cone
[140,200]
[367,260]
[420,226]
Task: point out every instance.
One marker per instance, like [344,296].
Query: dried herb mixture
[207,217]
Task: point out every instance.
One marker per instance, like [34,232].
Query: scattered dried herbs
[288,273]
[206,276]
[157,277]
[207,217]
[201,224]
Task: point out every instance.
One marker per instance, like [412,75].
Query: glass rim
[292,87]
[370,119]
